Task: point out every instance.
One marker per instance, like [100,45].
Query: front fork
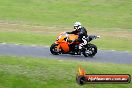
[58,47]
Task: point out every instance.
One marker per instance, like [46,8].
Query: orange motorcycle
[64,45]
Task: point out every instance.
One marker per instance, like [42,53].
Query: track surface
[40,51]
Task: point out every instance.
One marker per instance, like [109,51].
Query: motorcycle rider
[82,34]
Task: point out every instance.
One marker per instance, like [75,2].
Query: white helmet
[77,25]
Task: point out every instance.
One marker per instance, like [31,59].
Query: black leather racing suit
[82,32]
[82,35]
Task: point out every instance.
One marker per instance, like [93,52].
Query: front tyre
[54,50]
[90,50]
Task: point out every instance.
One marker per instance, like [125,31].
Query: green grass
[27,38]
[92,13]
[112,43]
[27,72]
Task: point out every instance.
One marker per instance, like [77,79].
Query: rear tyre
[54,50]
[90,50]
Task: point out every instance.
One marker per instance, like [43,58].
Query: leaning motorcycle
[64,45]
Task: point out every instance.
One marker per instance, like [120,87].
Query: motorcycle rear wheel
[90,50]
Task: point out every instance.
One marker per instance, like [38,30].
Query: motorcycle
[64,45]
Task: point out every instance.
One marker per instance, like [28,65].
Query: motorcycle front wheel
[90,50]
[53,49]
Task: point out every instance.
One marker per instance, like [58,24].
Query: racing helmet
[77,25]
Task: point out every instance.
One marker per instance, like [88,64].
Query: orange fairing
[62,43]
[61,39]
[64,46]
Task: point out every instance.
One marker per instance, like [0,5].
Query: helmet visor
[75,27]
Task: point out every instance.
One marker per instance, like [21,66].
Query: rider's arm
[73,32]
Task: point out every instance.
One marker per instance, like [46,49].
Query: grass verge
[27,72]
[27,38]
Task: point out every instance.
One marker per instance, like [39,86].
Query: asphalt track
[104,56]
